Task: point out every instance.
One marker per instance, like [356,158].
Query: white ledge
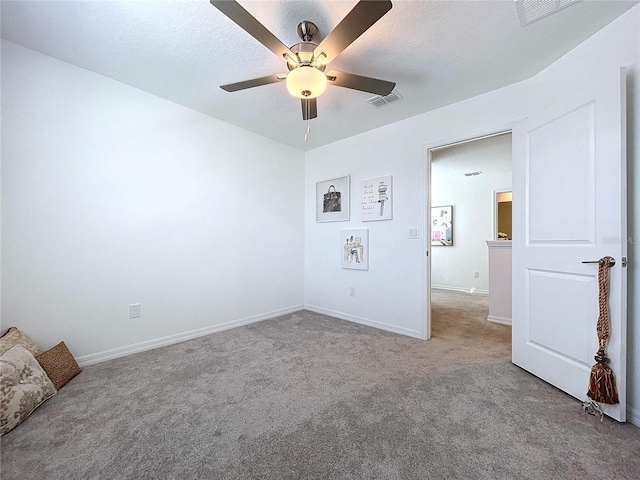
[499,243]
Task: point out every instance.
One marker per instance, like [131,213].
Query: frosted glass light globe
[306,82]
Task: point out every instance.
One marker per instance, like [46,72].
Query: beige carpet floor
[459,326]
[306,396]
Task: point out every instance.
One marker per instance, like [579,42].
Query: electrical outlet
[476,274]
[134,310]
[352,291]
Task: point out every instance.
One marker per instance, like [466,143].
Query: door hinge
[427,253]
[624,262]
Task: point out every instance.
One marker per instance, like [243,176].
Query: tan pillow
[16,337]
[59,365]
[23,387]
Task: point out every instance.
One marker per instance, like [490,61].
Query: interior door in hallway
[569,171]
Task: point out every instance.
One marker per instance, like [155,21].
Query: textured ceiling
[438,52]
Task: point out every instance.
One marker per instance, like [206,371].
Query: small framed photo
[332,200]
[355,249]
[377,199]
[442,226]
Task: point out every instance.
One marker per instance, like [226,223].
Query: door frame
[434,147]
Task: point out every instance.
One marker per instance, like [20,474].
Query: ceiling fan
[307,60]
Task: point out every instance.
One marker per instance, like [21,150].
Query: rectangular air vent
[531,10]
[380,101]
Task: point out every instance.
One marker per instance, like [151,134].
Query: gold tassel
[602,382]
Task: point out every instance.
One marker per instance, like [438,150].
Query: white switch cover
[134,310]
[413,232]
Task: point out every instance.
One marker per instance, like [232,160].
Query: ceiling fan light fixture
[306,82]
[321,59]
[291,60]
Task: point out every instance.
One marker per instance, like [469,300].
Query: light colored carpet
[459,320]
[313,397]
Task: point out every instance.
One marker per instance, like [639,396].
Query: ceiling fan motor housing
[307,30]
[304,52]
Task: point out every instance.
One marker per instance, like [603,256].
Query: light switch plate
[134,310]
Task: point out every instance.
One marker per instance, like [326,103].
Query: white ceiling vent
[379,101]
[532,10]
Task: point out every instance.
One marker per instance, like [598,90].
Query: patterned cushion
[16,337]
[23,386]
[59,365]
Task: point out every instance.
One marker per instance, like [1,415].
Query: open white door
[569,206]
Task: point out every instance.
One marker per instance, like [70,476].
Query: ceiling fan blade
[253,27]
[357,21]
[309,108]
[358,82]
[256,82]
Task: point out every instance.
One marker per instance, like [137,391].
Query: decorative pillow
[16,337]
[59,365]
[23,387]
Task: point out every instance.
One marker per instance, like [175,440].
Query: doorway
[467,180]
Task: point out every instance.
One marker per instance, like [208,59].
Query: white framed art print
[355,249]
[376,201]
[332,200]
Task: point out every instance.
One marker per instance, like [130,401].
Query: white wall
[112,196]
[472,199]
[633,215]
[392,293]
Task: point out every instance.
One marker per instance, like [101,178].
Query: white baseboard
[633,416]
[410,332]
[500,320]
[99,357]
[476,291]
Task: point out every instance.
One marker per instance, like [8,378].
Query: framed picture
[355,249]
[332,200]
[442,225]
[377,199]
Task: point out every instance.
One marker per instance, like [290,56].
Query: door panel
[569,207]
[569,299]
[550,191]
